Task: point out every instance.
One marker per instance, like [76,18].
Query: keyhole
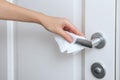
[98,71]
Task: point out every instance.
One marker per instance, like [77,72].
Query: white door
[34,54]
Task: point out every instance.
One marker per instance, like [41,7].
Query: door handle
[97,41]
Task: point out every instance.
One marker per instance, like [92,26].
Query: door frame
[117,39]
[10,48]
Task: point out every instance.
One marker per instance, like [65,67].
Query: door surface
[35,54]
[100,17]
[3,50]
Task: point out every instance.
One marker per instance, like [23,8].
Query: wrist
[41,18]
[45,21]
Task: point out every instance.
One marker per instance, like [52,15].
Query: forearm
[10,11]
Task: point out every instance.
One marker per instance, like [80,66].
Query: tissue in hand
[69,47]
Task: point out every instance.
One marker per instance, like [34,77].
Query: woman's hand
[56,25]
[60,26]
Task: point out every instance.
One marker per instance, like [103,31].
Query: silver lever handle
[97,41]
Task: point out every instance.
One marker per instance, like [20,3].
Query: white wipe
[66,47]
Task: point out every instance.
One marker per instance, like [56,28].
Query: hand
[60,26]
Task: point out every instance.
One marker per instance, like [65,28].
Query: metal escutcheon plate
[102,43]
[98,71]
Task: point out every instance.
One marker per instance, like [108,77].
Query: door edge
[117,40]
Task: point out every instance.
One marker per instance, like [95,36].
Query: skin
[9,11]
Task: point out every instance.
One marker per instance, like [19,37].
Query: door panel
[3,50]
[100,17]
[38,56]
[0,53]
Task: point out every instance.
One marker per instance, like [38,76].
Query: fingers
[65,36]
[70,28]
[73,29]
[76,31]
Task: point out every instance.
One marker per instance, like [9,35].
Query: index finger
[74,30]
